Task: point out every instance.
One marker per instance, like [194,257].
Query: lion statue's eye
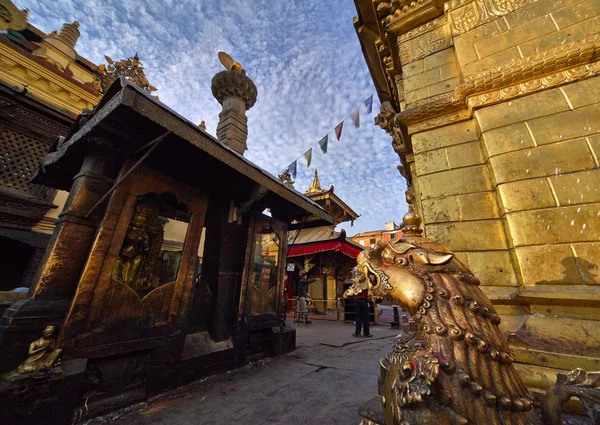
[401,261]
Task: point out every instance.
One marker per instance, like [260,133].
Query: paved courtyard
[322,382]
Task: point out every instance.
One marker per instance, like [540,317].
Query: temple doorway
[14,258]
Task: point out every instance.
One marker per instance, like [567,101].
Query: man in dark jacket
[362,309]
[302,291]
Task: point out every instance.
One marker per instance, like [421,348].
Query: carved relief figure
[387,120]
[137,265]
[43,354]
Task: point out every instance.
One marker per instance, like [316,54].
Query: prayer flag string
[307,155]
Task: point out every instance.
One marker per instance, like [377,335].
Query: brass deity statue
[457,368]
[43,354]
[137,265]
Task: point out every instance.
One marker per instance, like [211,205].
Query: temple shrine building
[121,199]
[44,85]
[321,251]
[369,238]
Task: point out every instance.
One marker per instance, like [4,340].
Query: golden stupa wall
[500,110]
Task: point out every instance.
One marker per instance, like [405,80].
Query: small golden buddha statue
[135,247]
[43,353]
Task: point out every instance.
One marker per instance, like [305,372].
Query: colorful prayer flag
[355,115]
[323,143]
[338,130]
[308,157]
[292,169]
[369,104]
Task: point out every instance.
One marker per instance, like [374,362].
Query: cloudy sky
[303,56]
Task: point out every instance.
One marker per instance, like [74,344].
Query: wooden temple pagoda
[321,251]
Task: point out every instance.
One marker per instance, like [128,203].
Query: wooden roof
[127,118]
[332,203]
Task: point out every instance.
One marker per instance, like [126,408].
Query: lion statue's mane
[459,358]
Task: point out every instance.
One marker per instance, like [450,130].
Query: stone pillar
[236,93]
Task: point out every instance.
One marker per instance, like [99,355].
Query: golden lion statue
[457,369]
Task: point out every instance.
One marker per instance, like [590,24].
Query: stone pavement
[323,381]
[386,314]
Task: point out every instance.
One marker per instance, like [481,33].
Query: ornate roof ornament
[286,178]
[412,223]
[130,68]
[68,34]
[315,186]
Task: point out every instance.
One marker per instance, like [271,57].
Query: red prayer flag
[338,130]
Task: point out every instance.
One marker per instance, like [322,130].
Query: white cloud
[303,56]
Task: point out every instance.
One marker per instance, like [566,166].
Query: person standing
[302,292]
[362,308]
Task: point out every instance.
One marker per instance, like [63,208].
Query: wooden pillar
[74,233]
[222,267]
[56,280]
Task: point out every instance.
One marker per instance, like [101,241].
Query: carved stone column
[236,93]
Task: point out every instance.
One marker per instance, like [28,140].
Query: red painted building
[369,239]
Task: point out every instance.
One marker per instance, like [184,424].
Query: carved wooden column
[69,247]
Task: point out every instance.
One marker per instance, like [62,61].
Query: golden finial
[202,125]
[412,223]
[69,34]
[230,64]
[315,186]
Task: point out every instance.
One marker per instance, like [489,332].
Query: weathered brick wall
[458,201]
[433,75]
